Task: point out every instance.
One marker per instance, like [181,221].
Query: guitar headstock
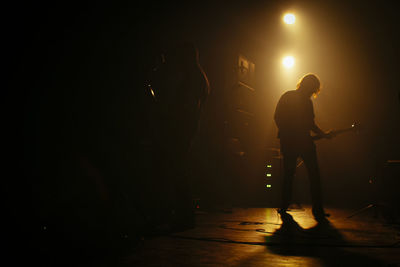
[355,127]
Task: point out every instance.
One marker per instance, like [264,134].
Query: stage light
[269,175]
[288,62]
[289,18]
[269,186]
[269,166]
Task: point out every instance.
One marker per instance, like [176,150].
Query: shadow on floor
[322,242]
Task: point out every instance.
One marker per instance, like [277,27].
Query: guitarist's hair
[310,80]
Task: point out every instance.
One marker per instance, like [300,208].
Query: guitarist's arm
[320,132]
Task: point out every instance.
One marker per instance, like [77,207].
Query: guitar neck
[336,132]
[343,130]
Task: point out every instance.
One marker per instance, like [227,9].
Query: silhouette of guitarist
[294,117]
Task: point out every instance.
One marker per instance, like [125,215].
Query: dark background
[75,79]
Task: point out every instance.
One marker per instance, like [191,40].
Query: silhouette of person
[294,117]
[183,94]
[180,89]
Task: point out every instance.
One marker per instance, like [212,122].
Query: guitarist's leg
[289,168]
[311,163]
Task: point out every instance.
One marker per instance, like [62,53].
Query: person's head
[309,84]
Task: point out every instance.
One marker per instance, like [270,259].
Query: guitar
[354,127]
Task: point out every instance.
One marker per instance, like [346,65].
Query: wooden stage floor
[258,237]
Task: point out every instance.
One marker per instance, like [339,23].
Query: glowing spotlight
[288,62]
[289,18]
